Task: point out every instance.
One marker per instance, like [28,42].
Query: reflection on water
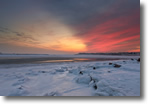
[52,60]
[81,59]
[69,60]
[76,60]
[57,61]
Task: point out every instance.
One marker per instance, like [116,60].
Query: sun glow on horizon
[49,34]
[54,27]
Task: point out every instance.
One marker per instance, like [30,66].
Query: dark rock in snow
[20,88]
[138,59]
[43,71]
[132,59]
[94,68]
[117,66]
[109,71]
[110,63]
[52,94]
[81,73]
[95,87]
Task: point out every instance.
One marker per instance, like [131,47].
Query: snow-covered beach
[94,78]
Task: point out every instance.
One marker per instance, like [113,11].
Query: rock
[138,59]
[81,73]
[21,87]
[132,59]
[94,68]
[110,63]
[52,94]
[109,71]
[117,66]
[95,87]
[42,71]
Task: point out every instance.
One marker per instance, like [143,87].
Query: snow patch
[83,79]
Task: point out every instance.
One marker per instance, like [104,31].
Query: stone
[138,59]
[117,66]
[94,68]
[110,63]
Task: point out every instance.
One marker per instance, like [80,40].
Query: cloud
[15,37]
[4,30]
[106,33]
[82,25]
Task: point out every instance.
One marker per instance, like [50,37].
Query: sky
[69,26]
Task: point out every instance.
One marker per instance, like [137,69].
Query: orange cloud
[49,34]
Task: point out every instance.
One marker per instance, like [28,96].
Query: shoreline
[54,60]
[65,79]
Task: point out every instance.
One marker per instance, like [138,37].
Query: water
[20,60]
[69,60]
[74,60]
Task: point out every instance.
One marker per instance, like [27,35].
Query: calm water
[75,60]
[51,60]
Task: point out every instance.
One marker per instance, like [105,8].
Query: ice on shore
[71,79]
[83,79]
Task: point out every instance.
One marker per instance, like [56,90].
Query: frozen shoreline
[11,56]
[65,79]
[21,59]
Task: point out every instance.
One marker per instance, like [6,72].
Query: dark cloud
[17,36]
[79,11]
[24,37]
[76,11]
[4,30]
[71,12]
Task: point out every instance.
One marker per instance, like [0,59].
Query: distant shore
[118,53]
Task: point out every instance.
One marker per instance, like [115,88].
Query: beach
[74,78]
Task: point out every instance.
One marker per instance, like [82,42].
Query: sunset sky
[69,26]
